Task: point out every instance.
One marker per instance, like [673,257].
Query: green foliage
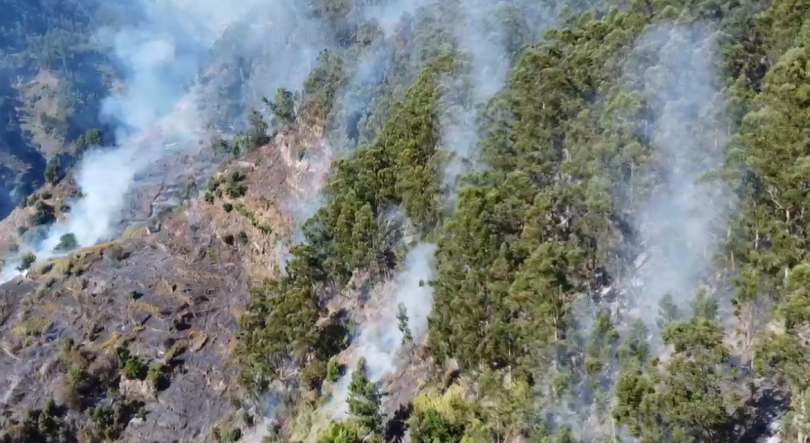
[534,236]
[26,261]
[67,242]
[692,396]
[43,214]
[134,369]
[400,168]
[365,401]
[283,106]
[402,324]
[53,171]
[320,89]
[313,374]
[257,136]
[341,432]
[110,421]
[46,425]
[334,370]
[444,418]
[157,375]
[92,137]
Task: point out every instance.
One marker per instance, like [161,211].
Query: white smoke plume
[480,36]
[683,210]
[380,339]
[483,39]
[162,110]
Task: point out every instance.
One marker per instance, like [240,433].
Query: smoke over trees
[574,221]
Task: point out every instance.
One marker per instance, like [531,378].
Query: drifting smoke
[483,39]
[162,109]
[380,340]
[155,117]
[480,35]
[672,68]
[677,222]
[390,14]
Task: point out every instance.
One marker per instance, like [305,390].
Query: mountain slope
[485,221]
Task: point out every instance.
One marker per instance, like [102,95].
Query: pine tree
[402,318]
[365,402]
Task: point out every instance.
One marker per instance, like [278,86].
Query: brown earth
[177,287]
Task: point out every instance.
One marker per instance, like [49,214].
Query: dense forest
[610,194]
[612,134]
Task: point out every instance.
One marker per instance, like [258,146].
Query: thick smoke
[155,117]
[683,209]
[163,107]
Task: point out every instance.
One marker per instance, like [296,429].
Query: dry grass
[113,342]
[32,327]
[145,308]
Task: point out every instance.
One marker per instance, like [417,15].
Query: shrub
[26,261]
[313,375]
[134,369]
[52,173]
[334,370]
[157,375]
[43,214]
[67,242]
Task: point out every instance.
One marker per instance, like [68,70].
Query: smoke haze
[682,211]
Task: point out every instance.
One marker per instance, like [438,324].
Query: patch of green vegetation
[67,242]
[254,219]
[44,214]
[26,261]
[227,436]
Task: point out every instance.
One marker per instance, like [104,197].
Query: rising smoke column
[159,56]
[484,42]
[480,38]
[677,220]
[672,68]
[380,340]
[161,110]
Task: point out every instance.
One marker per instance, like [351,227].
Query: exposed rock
[197,339]
[142,390]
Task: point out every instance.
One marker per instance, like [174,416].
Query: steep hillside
[170,294]
[53,79]
[457,221]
